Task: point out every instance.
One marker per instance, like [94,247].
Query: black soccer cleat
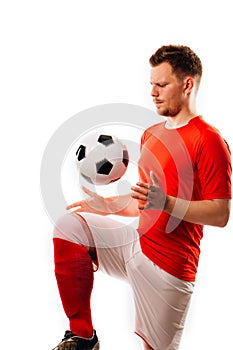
[73,342]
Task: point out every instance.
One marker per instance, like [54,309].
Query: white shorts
[161,300]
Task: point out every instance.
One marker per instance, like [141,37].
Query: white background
[57,59]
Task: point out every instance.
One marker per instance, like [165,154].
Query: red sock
[74,274]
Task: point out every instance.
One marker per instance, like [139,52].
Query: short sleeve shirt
[193,163]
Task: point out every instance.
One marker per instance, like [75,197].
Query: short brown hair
[183,60]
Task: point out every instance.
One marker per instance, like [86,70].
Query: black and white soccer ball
[102,158]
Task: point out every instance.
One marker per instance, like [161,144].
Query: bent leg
[113,242]
[74,235]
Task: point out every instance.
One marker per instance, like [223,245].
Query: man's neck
[181,119]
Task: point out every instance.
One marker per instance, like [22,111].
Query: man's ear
[188,85]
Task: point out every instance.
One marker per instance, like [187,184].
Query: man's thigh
[113,241]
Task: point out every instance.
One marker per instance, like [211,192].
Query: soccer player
[185,172]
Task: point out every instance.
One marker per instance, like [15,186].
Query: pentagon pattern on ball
[88,179]
[81,152]
[106,140]
[104,167]
[125,159]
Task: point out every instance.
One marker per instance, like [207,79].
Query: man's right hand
[95,204]
[123,205]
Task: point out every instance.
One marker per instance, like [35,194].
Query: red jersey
[193,163]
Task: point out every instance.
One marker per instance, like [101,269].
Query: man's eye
[162,85]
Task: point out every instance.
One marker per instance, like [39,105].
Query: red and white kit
[160,258]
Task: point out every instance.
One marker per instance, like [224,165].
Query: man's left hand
[150,196]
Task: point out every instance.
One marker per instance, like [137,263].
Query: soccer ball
[101,158]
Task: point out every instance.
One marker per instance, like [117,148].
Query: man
[184,184]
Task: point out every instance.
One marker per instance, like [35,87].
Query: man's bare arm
[213,212]
[123,205]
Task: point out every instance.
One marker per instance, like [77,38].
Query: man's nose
[154,92]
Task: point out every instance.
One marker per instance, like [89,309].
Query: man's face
[167,90]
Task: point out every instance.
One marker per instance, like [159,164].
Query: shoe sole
[97,346]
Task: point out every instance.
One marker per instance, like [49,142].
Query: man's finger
[73,205]
[87,191]
[143,184]
[143,190]
[154,178]
[140,197]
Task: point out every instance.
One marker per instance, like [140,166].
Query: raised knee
[72,228]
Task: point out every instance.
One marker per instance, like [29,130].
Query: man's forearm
[204,212]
